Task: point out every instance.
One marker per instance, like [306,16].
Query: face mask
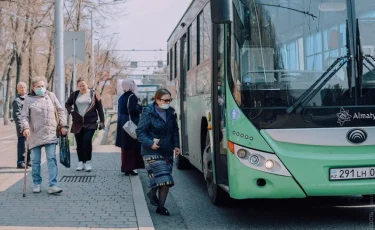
[164,106]
[40,91]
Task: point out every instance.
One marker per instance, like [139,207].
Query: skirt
[159,170]
[131,159]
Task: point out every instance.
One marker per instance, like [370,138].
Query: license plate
[351,173]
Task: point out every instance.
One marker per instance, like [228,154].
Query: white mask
[164,106]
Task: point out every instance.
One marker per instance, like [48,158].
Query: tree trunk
[9,84]
[31,56]
[19,69]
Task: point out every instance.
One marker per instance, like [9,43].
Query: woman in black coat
[130,148]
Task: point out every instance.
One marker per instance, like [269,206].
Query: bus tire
[216,194]
[182,162]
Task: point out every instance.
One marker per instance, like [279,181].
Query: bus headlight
[254,159]
[261,161]
[269,164]
[241,153]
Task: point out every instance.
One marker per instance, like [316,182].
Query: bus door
[183,93]
[219,103]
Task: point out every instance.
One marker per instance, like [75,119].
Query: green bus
[276,99]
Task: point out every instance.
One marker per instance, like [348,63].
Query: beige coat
[38,115]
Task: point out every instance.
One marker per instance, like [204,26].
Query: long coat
[123,140]
[151,126]
[90,118]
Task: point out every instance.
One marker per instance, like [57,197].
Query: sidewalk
[106,199]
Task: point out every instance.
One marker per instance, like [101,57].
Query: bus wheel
[182,162]
[216,194]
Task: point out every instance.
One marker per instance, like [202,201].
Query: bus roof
[179,22]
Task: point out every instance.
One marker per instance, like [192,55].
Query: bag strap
[130,118]
[54,106]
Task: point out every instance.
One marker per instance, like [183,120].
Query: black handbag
[64,151]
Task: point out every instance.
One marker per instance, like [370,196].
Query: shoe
[22,166]
[153,199]
[162,211]
[88,166]
[79,166]
[54,190]
[36,188]
[131,172]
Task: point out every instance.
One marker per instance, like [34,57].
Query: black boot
[162,211]
[131,172]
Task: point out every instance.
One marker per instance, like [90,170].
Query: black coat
[90,119]
[17,109]
[152,126]
[123,140]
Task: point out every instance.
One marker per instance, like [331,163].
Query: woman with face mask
[158,133]
[128,108]
[39,124]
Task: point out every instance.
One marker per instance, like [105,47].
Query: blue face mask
[40,91]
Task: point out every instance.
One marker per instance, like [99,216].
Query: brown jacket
[90,118]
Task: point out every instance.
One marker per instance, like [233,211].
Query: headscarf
[129,85]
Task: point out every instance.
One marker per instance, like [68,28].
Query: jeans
[36,154]
[84,144]
[21,151]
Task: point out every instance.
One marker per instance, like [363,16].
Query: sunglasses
[166,100]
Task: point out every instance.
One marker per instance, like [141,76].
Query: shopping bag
[64,151]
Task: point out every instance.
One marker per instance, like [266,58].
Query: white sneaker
[54,190]
[36,188]
[79,166]
[88,166]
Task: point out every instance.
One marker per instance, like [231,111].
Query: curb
[144,220]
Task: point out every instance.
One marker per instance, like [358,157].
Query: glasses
[166,100]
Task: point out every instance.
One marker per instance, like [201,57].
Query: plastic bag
[64,151]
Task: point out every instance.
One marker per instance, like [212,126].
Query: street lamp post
[59,54]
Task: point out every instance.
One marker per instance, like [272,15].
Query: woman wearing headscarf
[128,107]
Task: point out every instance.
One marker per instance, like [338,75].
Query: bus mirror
[221,11]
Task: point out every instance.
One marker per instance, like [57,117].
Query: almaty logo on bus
[344,116]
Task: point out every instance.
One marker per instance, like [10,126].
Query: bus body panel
[310,166]
[198,107]
[243,183]
[240,130]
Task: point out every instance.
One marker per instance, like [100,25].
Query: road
[191,209]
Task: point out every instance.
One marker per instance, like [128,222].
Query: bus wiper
[305,97]
[288,8]
[349,65]
[360,58]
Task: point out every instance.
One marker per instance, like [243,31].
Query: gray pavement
[110,200]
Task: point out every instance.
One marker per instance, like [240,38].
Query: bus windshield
[302,59]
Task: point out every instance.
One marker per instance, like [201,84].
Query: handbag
[130,127]
[64,151]
[58,128]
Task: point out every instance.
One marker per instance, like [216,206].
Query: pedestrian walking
[41,119]
[86,109]
[128,106]
[21,142]
[158,133]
